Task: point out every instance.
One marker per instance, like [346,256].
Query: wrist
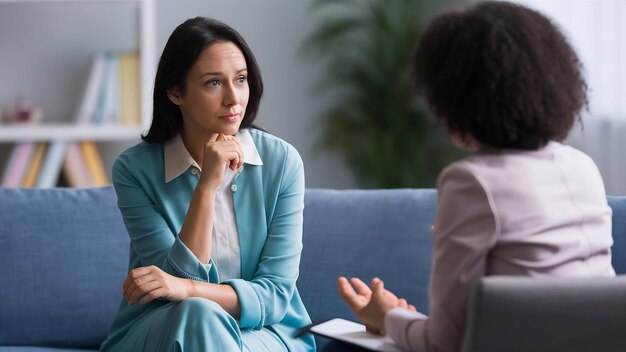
[192,288]
[207,186]
[208,183]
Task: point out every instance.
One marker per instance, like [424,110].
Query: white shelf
[68,132]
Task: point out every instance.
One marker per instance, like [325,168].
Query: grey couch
[64,254]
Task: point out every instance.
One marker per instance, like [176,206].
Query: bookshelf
[70,131]
[90,27]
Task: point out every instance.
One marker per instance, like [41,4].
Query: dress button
[194,171]
[233,187]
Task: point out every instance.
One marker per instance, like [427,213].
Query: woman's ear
[174,96]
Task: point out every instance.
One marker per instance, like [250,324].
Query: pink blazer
[508,212]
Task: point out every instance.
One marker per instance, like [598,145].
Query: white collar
[177,158]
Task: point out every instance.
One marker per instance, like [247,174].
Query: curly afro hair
[500,73]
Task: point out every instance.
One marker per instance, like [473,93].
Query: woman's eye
[213,83]
[242,79]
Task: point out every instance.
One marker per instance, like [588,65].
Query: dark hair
[182,50]
[502,74]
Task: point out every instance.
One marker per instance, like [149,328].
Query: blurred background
[336,76]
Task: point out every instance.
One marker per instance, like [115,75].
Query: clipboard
[352,333]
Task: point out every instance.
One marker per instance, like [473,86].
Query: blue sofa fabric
[64,258]
[365,233]
[65,255]
[618,204]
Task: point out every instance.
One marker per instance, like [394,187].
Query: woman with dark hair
[215,246]
[508,87]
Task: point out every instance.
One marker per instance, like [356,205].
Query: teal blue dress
[268,200]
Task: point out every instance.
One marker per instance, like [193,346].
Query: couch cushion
[65,255]
[365,233]
[618,204]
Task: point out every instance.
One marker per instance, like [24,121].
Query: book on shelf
[30,178]
[74,167]
[93,87]
[93,163]
[110,113]
[42,165]
[83,166]
[112,90]
[52,165]
[18,163]
[129,88]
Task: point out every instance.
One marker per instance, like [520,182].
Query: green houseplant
[378,122]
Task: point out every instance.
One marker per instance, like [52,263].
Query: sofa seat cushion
[618,205]
[365,233]
[64,258]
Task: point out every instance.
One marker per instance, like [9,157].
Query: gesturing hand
[149,283]
[370,305]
